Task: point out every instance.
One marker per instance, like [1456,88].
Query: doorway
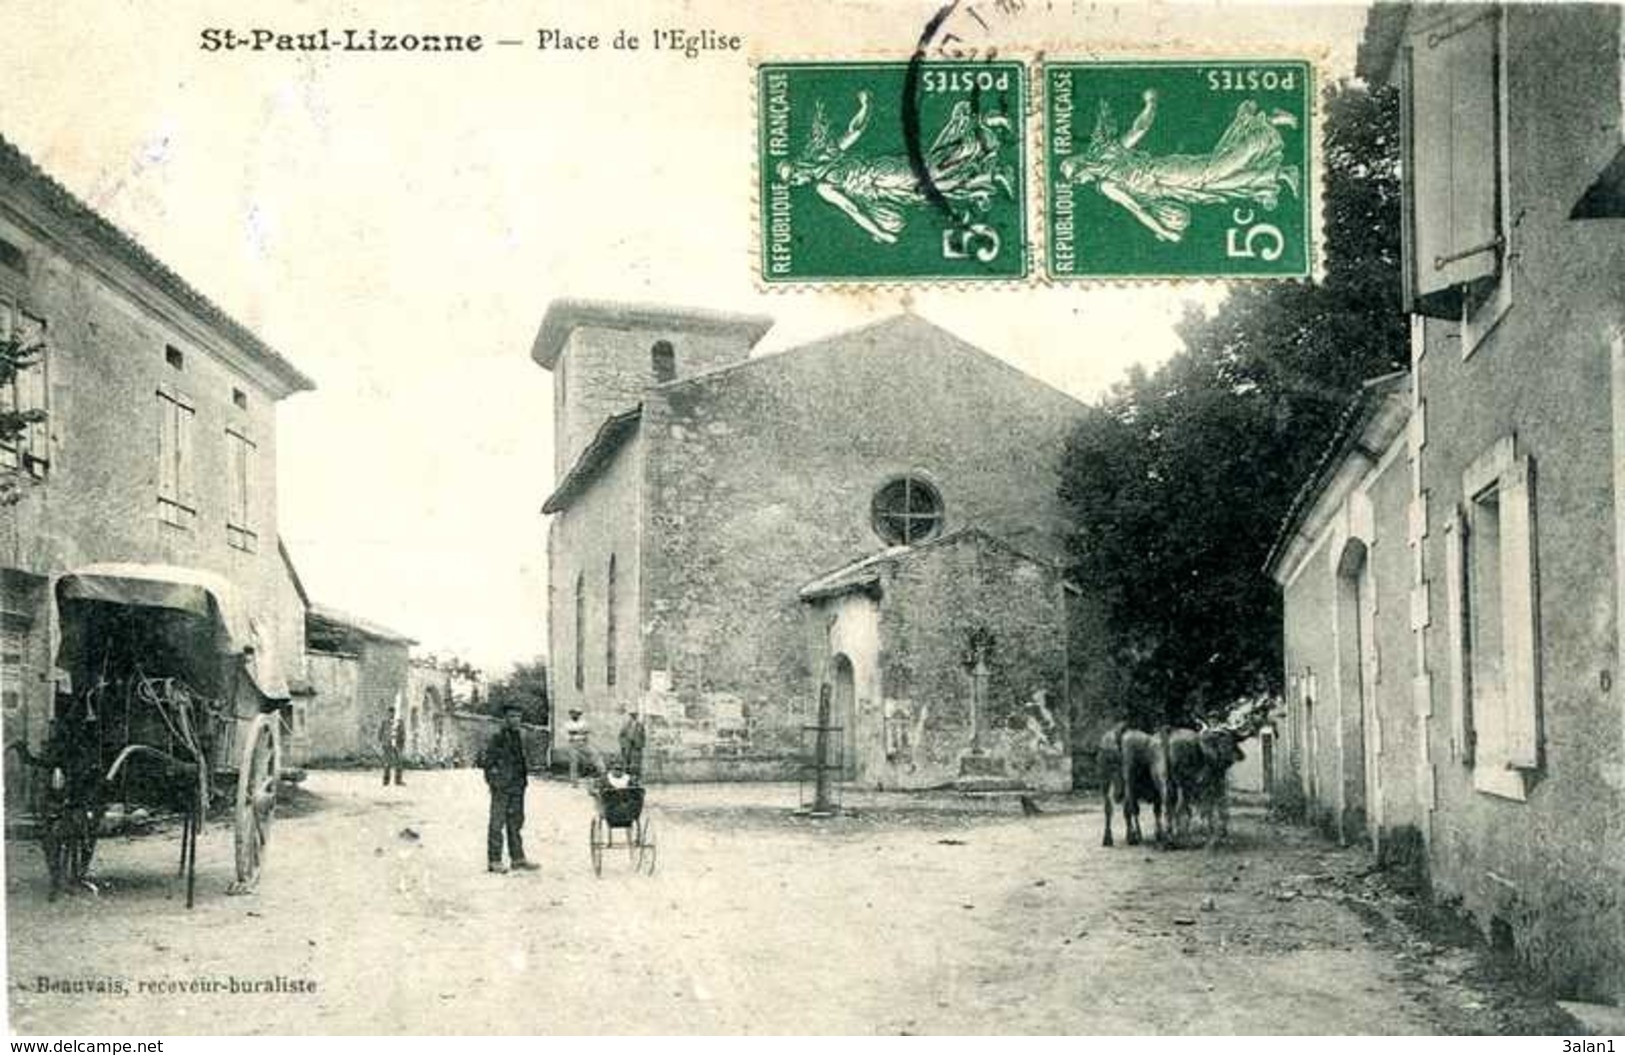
[843,713]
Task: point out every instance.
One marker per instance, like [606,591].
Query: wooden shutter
[1519,614]
[185,491]
[167,413]
[1452,161]
[1455,550]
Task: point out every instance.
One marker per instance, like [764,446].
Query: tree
[19,350]
[1178,480]
[525,685]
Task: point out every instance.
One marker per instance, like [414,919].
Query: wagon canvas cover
[200,593]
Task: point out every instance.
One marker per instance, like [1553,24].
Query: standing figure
[392,742]
[632,740]
[576,737]
[963,165]
[1245,166]
[507,773]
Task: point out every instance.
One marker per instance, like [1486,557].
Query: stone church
[871,519]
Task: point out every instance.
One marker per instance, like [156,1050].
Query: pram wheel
[597,839]
[644,861]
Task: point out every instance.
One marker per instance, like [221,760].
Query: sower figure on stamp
[392,742]
[632,739]
[507,773]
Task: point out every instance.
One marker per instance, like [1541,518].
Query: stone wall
[932,605]
[352,693]
[602,523]
[758,479]
[467,734]
[1548,868]
[604,371]
[105,362]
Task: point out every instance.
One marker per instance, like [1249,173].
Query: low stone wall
[468,732]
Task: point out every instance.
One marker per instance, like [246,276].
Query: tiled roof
[1356,414]
[321,613]
[610,436]
[865,573]
[18,170]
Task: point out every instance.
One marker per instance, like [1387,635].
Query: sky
[397,225]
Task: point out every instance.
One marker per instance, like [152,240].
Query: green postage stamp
[1178,169]
[882,171]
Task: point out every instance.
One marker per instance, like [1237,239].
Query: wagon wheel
[645,861]
[256,799]
[595,844]
[634,839]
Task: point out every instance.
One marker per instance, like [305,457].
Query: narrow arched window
[581,631]
[609,624]
[663,359]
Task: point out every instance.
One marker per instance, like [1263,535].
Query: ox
[1192,767]
[1126,758]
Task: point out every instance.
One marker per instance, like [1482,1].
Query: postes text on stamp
[892,171]
[1178,169]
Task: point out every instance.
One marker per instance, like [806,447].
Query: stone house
[435,690]
[159,444]
[1452,576]
[358,672]
[872,517]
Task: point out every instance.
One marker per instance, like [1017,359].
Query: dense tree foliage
[1179,479]
[525,685]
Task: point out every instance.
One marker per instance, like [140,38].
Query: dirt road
[916,914]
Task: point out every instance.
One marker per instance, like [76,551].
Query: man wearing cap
[507,771]
[392,742]
[576,735]
[632,739]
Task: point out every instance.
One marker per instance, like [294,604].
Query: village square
[866,681]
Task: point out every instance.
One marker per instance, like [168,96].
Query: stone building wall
[1547,869]
[930,608]
[760,478]
[111,329]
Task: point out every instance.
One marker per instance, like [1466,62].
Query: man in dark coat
[392,742]
[507,771]
[632,740]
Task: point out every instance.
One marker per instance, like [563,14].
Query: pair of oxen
[1175,770]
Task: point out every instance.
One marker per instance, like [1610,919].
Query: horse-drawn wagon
[165,704]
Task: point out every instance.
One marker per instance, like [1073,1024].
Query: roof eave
[605,442]
[1360,413]
[567,314]
[83,222]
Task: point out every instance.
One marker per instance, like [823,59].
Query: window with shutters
[1494,632]
[177,502]
[240,452]
[24,393]
[1454,138]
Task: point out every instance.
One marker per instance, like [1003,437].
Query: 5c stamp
[1178,169]
[892,171]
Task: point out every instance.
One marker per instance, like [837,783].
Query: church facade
[869,520]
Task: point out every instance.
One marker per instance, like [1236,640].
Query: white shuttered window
[1454,244]
[177,502]
[1494,600]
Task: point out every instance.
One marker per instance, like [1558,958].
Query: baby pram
[620,808]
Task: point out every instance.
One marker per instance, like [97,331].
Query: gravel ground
[910,914]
